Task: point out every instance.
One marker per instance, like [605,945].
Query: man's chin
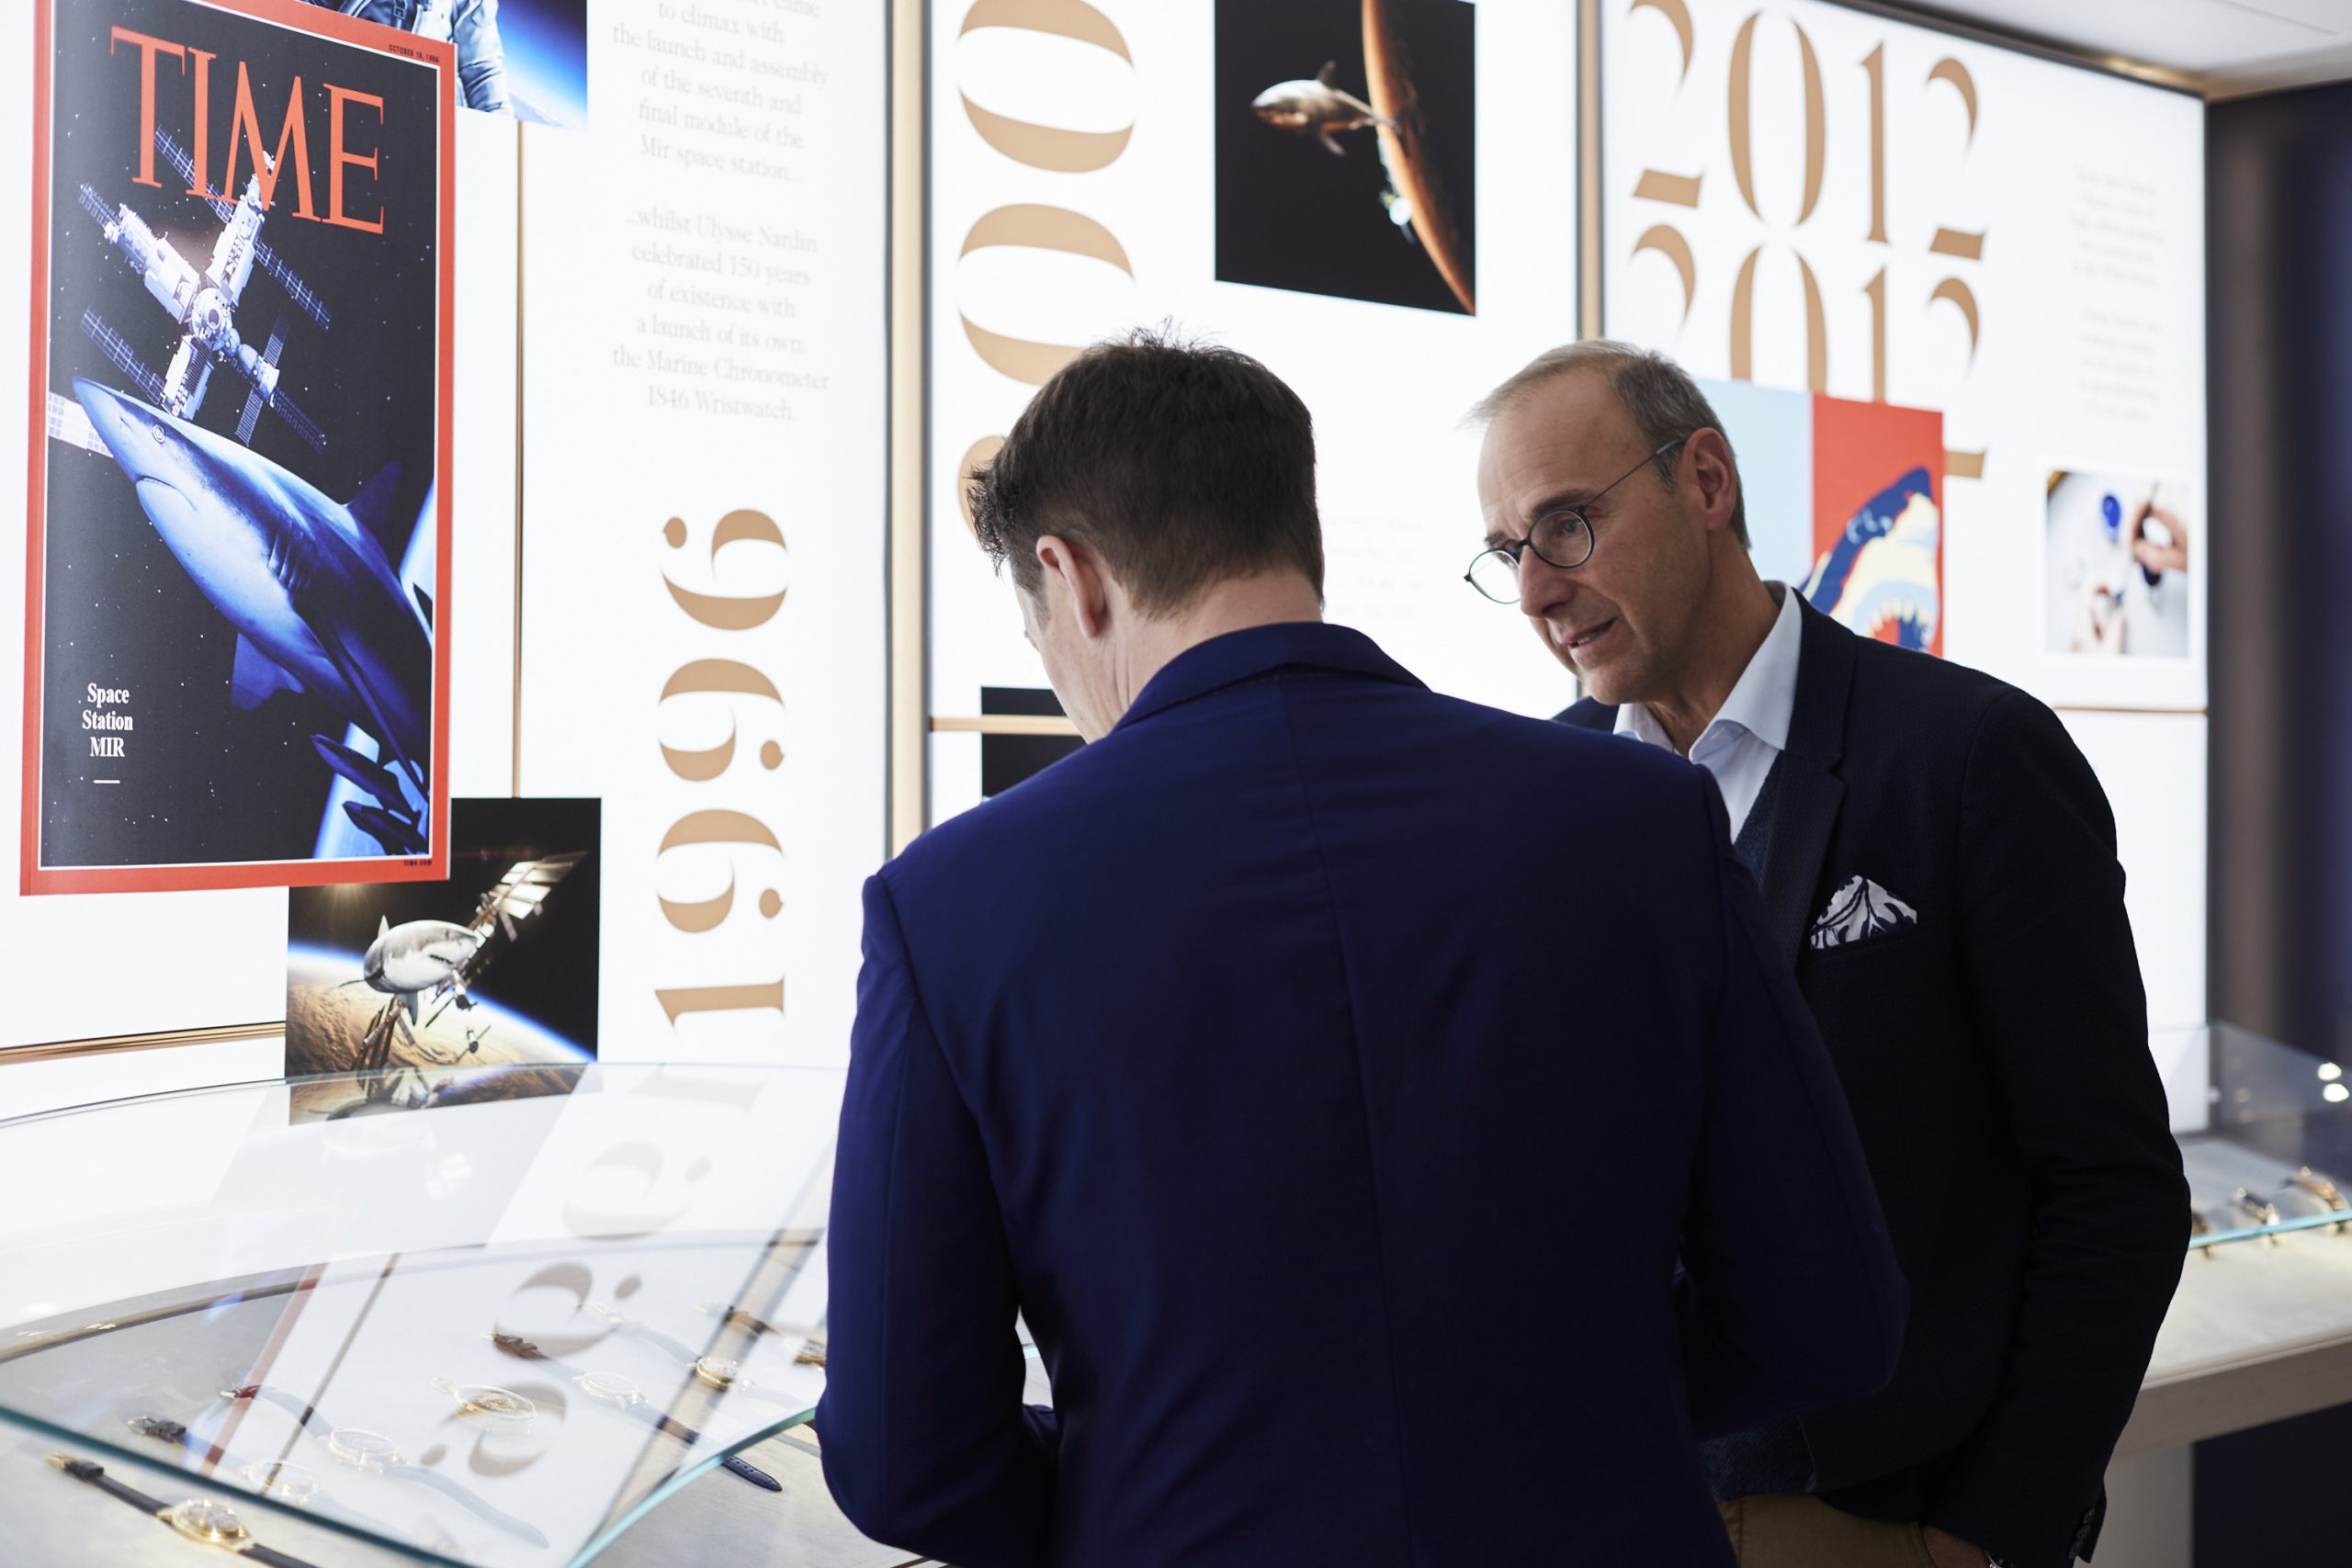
[1605,683]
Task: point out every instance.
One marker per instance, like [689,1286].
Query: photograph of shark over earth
[439,992]
[239,512]
[1346,150]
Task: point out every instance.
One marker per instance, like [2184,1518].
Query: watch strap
[94,1474]
[751,1473]
[262,1554]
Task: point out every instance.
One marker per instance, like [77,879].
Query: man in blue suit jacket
[1390,1116]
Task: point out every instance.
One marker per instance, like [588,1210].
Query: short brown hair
[1180,464]
[1664,403]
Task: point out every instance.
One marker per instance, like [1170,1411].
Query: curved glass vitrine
[2274,1157]
[491,1317]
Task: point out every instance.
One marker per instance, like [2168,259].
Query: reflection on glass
[467,1332]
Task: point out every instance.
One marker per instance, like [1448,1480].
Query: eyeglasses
[1561,537]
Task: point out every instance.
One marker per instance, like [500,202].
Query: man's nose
[1543,587]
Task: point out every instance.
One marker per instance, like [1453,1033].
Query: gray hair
[1663,400]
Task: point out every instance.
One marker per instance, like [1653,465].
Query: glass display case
[534,1316]
[2274,1155]
[491,1317]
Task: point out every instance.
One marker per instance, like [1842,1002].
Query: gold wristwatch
[198,1518]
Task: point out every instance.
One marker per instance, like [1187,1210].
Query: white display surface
[704,619]
[1054,257]
[1809,196]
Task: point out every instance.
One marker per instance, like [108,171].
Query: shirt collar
[1253,651]
[1760,703]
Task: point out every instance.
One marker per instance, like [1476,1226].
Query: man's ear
[1712,478]
[1075,582]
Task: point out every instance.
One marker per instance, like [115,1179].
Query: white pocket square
[1860,910]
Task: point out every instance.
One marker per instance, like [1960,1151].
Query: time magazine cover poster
[236,661]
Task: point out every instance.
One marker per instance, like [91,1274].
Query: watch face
[717,1371]
[610,1387]
[282,1479]
[501,1406]
[201,1519]
[357,1445]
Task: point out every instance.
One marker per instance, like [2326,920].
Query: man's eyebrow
[1579,497]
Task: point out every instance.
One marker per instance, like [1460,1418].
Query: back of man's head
[1179,465]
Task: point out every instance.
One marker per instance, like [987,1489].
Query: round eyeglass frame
[1516,550]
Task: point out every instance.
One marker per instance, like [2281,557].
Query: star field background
[200,782]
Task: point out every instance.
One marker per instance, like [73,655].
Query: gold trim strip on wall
[104,1045]
[909,610]
[1007,724]
[2137,713]
[515,771]
[1589,317]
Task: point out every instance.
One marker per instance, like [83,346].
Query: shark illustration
[422,964]
[408,961]
[1881,578]
[305,581]
[1317,108]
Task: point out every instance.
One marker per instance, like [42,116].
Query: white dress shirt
[1746,737]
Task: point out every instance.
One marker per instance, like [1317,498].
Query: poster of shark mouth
[438,993]
[240,503]
[1844,502]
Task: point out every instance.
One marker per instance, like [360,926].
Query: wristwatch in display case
[377,1455]
[281,1479]
[344,1272]
[723,1373]
[812,1352]
[624,1395]
[198,1518]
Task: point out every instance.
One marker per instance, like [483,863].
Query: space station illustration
[203,304]
[274,703]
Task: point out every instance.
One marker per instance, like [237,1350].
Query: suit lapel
[1811,790]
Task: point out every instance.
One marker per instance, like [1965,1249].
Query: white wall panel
[703,495]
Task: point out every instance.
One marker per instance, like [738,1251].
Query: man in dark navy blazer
[1390,1116]
[1938,870]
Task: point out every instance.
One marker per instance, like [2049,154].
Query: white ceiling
[2225,47]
